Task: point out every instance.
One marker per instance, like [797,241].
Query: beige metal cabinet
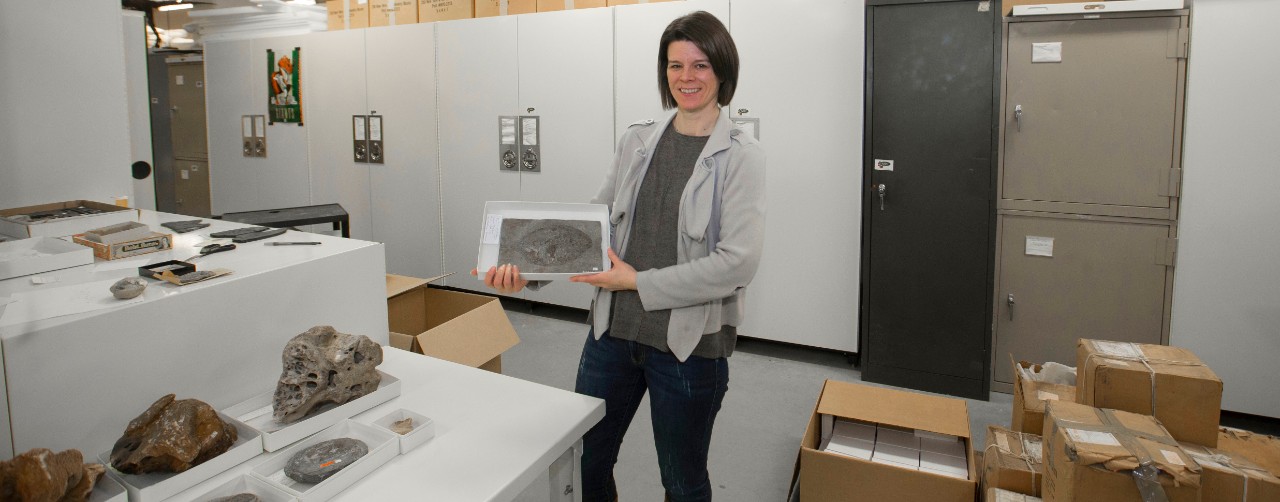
[191,187]
[187,111]
[1093,113]
[1065,277]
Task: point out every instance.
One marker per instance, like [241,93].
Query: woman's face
[693,83]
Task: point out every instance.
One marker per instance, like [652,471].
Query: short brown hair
[713,39]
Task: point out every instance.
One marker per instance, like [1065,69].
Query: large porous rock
[41,475]
[325,366]
[172,436]
[321,460]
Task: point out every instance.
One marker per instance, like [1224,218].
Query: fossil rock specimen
[402,427]
[42,475]
[321,460]
[129,287]
[172,436]
[324,366]
[550,246]
[239,497]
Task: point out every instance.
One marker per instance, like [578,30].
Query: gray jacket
[721,226]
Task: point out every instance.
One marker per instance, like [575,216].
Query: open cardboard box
[11,222]
[829,476]
[460,327]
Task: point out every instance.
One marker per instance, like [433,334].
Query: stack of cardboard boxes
[356,14]
[1141,420]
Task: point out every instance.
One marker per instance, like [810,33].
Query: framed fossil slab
[546,240]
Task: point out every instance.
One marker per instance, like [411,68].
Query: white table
[495,435]
[75,381]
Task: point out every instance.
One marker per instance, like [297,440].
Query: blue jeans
[684,399]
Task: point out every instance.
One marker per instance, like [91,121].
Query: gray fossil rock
[321,460]
[324,366]
[129,287]
[550,246]
[172,436]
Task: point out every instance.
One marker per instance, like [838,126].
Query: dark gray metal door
[930,145]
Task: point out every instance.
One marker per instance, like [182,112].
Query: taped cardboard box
[998,495]
[490,8]
[1169,383]
[392,12]
[123,240]
[1091,455]
[823,476]
[430,11]
[1030,396]
[460,327]
[1228,477]
[1261,449]
[339,9]
[1012,461]
[60,219]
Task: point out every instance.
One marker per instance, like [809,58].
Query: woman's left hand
[620,276]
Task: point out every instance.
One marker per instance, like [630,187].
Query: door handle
[880,190]
[1017,116]
[1009,301]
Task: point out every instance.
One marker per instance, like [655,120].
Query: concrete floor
[772,391]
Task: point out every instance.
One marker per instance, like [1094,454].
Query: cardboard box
[1227,477]
[998,495]
[1010,4]
[554,5]
[430,11]
[1091,454]
[1029,397]
[612,3]
[358,10]
[828,476]
[392,12]
[460,327]
[490,8]
[1169,383]
[149,243]
[1013,461]
[16,222]
[1261,449]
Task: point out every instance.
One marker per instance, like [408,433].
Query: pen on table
[293,243]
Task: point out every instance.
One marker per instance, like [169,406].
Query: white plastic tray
[108,490]
[495,211]
[382,447]
[40,254]
[248,484]
[423,428]
[1100,7]
[156,486]
[256,413]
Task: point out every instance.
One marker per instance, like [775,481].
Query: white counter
[74,381]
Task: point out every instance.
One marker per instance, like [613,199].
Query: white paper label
[179,80]
[1007,496]
[1002,441]
[1046,52]
[1117,349]
[1039,246]
[1046,396]
[1034,449]
[492,229]
[529,126]
[747,126]
[246,129]
[43,279]
[375,128]
[261,129]
[984,6]
[884,165]
[359,128]
[507,129]
[1173,457]
[186,175]
[1093,437]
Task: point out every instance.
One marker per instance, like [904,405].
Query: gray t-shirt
[654,237]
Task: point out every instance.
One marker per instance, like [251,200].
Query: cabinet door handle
[881,189]
[1017,116]
[1009,301]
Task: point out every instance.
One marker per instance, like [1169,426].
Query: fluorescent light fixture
[176,6]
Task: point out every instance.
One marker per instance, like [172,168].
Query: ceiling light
[176,6]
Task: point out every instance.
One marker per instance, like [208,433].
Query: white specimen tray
[159,486]
[423,428]
[256,413]
[1099,7]
[248,484]
[496,211]
[382,447]
[40,254]
[108,490]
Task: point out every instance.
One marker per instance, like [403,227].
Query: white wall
[139,92]
[64,122]
[1226,296]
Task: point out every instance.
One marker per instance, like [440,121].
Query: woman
[687,210]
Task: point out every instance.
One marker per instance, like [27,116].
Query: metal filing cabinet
[188,183]
[1089,182]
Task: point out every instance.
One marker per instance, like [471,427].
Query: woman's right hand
[504,279]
